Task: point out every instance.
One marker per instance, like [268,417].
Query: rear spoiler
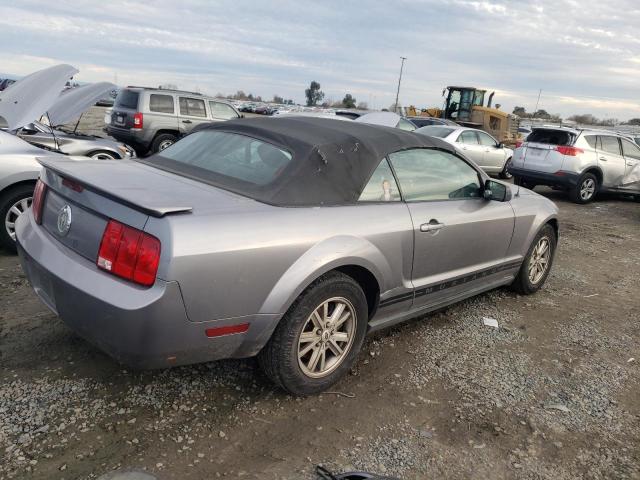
[149,206]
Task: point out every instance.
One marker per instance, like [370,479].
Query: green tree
[313,94]
[520,111]
[278,99]
[348,101]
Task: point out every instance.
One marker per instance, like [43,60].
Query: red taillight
[137,120]
[518,144]
[568,150]
[129,253]
[38,200]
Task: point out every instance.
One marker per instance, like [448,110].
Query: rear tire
[585,190]
[531,278]
[504,174]
[12,203]
[302,336]
[163,141]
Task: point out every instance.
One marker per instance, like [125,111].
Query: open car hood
[31,96]
[75,101]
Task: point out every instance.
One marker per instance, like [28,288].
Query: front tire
[14,202]
[505,174]
[318,339]
[585,190]
[537,263]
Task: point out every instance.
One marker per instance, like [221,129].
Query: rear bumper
[135,138]
[563,179]
[142,328]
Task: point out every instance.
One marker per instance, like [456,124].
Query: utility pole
[399,80]
[537,102]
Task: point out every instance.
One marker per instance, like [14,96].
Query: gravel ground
[550,394]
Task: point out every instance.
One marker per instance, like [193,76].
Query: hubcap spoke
[326,337]
[539,261]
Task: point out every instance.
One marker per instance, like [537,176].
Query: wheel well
[18,184]
[597,172]
[554,223]
[367,282]
[170,132]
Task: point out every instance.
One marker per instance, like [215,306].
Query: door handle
[630,164]
[602,159]
[433,226]
[186,121]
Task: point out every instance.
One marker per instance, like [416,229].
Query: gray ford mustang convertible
[287,238]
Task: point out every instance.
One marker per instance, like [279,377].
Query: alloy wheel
[587,189]
[326,337]
[103,156]
[13,213]
[165,144]
[539,262]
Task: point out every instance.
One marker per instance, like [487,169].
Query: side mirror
[500,145]
[496,191]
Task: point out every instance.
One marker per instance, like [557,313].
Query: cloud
[586,49]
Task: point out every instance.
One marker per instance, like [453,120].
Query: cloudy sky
[584,55]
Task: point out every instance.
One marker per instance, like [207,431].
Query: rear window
[127,99]
[434,131]
[161,103]
[225,159]
[551,137]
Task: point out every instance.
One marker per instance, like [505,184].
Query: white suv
[584,162]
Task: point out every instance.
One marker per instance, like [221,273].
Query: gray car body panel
[233,260]
[71,143]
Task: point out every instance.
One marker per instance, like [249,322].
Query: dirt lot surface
[552,393]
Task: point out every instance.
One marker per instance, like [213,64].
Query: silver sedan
[489,154]
[288,238]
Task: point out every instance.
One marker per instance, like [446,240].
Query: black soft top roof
[332,159]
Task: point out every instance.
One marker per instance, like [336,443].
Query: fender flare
[323,257]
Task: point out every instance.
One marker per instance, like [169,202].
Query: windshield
[228,159]
[435,131]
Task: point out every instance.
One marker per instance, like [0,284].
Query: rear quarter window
[161,103]
[551,137]
[127,99]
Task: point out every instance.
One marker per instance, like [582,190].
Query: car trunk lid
[127,191]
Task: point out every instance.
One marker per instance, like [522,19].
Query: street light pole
[399,80]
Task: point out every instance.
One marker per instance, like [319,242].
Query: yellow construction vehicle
[465,105]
